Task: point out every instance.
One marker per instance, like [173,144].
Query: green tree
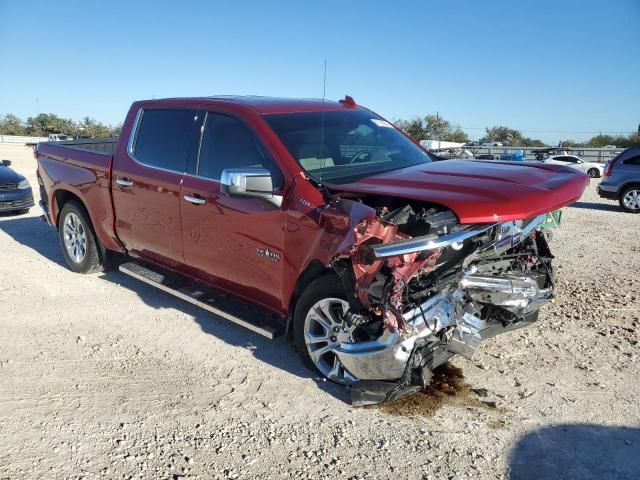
[432,127]
[11,125]
[115,131]
[531,142]
[600,141]
[633,140]
[46,123]
[414,128]
[436,127]
[457,135]
[505,135]
[93,128]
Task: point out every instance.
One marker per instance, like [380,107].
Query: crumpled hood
[480,191]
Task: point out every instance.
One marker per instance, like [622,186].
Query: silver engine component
[518,294]
[449,317]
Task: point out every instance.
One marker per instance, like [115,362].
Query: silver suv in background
[621,180]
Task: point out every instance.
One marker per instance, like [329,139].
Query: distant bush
[45,123]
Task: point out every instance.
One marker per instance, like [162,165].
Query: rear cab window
[163,137]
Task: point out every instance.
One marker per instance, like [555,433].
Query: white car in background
[594,170]
[59,137]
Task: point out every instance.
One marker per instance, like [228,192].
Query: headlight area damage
[426,288]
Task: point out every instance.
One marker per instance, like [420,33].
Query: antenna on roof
[324,94]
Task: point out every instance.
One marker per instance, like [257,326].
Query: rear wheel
[319,327]
[630,199]
[593,173]
[79,243]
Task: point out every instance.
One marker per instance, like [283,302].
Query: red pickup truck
[316,218]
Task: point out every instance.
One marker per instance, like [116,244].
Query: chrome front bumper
[448,319]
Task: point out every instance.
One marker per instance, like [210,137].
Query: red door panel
[147,175]
[233,242]
[148,211]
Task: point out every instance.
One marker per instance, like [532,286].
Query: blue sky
[550,68]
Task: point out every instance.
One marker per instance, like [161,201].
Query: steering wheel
[361,155]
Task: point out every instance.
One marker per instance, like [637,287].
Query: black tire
[624,193]
[594,173]
[93,259]
[326,286]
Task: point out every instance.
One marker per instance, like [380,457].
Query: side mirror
[249,182]
[6,163]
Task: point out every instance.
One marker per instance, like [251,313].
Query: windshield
[352,144]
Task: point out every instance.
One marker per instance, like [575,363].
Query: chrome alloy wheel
[325,330]
[631,199]
[75,238]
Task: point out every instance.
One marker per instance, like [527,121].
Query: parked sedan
[15,191]
[622,180]
[594,170]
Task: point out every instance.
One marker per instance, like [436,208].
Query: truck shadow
[33,233]
[579,451]
[605,207]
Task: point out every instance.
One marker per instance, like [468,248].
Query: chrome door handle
[124,182]
[195,200]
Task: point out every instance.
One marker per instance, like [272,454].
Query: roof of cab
[272,105]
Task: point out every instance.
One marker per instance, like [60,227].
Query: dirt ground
[104,377]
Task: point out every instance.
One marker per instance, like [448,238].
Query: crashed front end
[427,288]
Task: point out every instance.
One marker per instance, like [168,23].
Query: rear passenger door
[233,242]
[146,184]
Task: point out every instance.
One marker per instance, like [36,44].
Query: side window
[163,138]
[633,161]
[228,143]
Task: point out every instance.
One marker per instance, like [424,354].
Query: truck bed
[81,168]
[103,145]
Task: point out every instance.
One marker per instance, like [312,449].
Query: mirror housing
[249,182]
[6,163]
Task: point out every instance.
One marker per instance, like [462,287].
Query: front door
[146,184]
[234,242]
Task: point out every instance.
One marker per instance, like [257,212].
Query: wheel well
[314,270]
[627,185]
[62,197]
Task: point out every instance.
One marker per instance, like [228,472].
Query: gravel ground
[104,377]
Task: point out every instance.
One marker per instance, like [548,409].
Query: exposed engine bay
[426,288]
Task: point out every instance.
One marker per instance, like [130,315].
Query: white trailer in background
[439,144]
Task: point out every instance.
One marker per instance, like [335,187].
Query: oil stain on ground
[447,387]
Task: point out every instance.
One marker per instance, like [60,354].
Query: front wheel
[78,240]
[594,173]
[319,328]
[630,199]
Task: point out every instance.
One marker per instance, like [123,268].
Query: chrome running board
[226,306]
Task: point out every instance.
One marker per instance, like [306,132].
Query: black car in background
[15,191]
